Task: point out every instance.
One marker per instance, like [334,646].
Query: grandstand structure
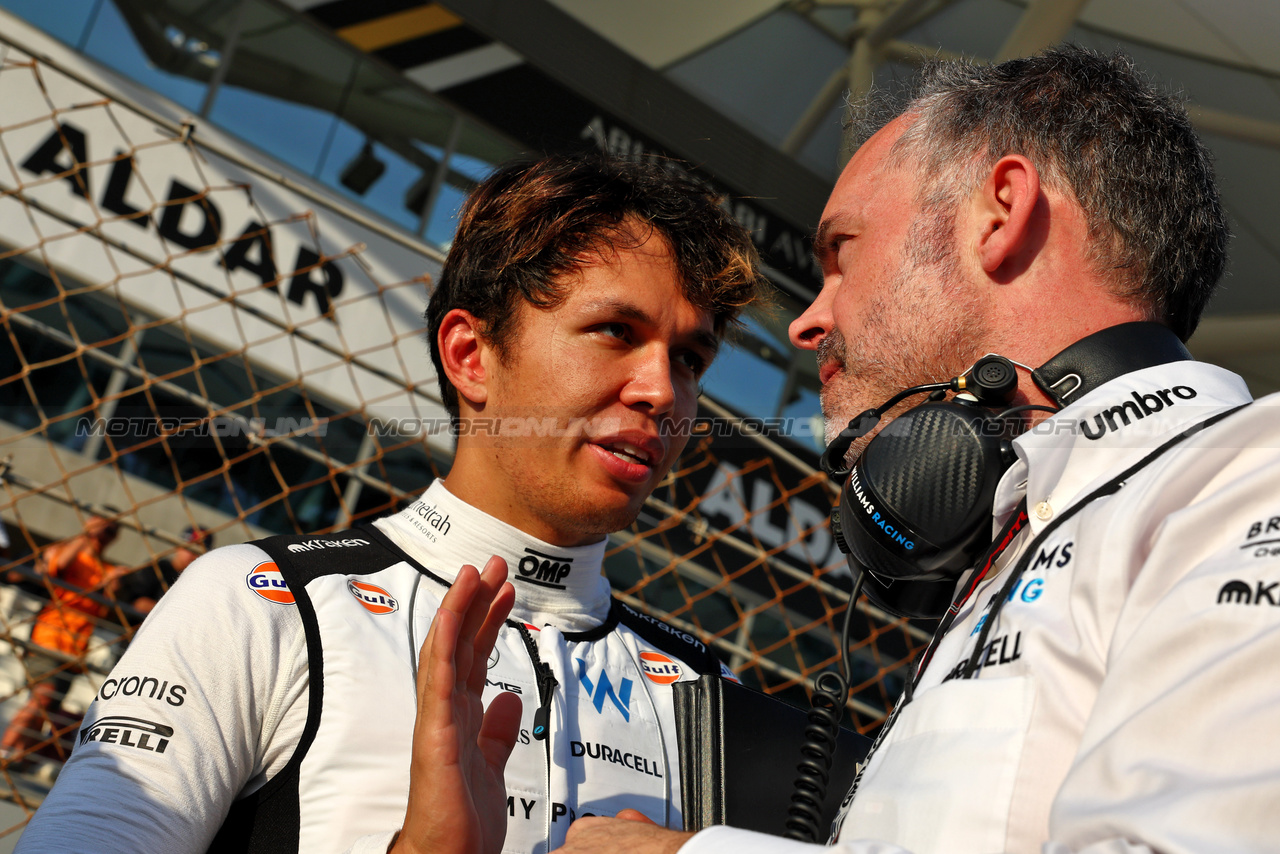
[219,225]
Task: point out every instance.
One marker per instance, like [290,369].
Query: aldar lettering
[804,537]
[188,218]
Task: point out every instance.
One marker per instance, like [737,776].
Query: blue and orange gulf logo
[265,580]
[659,668]
[374,599]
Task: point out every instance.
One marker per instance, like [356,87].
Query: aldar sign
[759,498]
[109,197]
[188,219]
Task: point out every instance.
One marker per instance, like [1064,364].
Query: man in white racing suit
[1106,686]
[270,701]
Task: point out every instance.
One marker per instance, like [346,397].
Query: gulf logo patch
[374,599]
[265,580]
[659,668]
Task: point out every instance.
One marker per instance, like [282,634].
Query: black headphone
[915,509]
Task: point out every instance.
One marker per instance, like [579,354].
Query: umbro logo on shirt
[1142,405]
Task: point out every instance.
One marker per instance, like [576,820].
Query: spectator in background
[64,626]
[144,587]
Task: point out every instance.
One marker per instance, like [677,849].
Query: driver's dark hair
[1096,128]
[530,223]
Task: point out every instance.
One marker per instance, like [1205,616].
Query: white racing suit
[268,704]
[1126,698]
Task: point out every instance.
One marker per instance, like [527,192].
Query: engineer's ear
[1007,203]
[462,351]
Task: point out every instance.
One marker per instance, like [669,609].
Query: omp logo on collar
[265,580]
[321,545]
[374,599]
[1236,592]
[1140,407]
[659,668]
[128,732]
[602,688]
[543,570]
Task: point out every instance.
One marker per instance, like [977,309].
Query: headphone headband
[1105,355]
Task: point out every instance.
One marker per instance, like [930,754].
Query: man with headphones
[270,701]
[1094,517]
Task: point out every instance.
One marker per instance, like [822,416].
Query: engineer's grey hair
[1096,127]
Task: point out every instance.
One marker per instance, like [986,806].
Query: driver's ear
[464,355]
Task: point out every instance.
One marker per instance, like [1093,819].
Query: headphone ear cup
[915,600]
[917,504]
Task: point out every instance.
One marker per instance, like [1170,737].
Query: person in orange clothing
[65,626]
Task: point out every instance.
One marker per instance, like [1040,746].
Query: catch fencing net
[196,351]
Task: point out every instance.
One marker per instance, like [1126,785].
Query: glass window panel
[387,149]
[64,388]
[745,376]
[478,152]
[61,386]
[22,284]
[95,319]
[173,47]
[283,86]
[442,220]
[806,411]
[166,353]
[16,404]
[135,432]
[337,438]
[280,489]
[63,19]
[372,504]
[404,464]
[372,174]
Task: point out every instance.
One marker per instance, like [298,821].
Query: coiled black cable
[830,693]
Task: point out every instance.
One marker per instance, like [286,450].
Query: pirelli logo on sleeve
[125,731]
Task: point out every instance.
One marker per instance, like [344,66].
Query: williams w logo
[602,689]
